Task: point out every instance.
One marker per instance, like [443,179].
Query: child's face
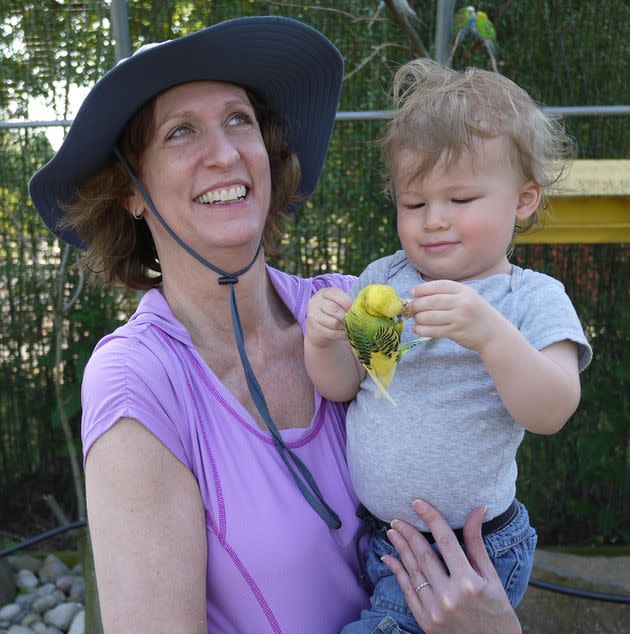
[457,223]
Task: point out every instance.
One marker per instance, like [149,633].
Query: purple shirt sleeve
[123,379]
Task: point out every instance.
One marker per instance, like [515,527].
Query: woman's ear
[528,200]
[134,204]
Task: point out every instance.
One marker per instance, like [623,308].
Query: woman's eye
[239,118]
[180,131]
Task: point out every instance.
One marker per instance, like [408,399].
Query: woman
[218,494]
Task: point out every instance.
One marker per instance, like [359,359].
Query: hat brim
[292,66]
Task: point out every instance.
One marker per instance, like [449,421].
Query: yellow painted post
[594,207]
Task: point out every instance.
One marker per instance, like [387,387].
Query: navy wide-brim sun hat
[292,66]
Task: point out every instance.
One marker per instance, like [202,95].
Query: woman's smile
[226,194]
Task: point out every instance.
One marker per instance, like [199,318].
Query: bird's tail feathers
[408,346]
[381,390]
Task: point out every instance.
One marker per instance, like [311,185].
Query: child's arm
[329,360]
[539,388]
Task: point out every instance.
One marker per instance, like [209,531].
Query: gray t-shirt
[450,441]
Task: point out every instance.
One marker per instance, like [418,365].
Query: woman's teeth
[223,195]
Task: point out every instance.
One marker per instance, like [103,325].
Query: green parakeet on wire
[477,23]
[373,326]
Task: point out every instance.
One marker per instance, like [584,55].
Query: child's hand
[444,308]
[324,322]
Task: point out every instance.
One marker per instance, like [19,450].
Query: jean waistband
[376,526]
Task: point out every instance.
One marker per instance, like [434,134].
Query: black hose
[42,537]
[582,594]
[535,583]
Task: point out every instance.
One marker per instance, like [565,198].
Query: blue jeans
[511,550]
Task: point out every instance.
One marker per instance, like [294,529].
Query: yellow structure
[594,208]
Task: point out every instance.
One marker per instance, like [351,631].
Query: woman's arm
[469,597]
[148,530]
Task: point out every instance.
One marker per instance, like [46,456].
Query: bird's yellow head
[381,300]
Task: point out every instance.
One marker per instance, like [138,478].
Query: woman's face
[207,170]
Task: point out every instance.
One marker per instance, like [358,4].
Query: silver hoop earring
[137,214]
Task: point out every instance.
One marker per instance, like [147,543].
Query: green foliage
[565,52]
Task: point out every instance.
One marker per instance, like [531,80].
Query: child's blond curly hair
[440,113]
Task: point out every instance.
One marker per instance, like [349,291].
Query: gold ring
[422,585]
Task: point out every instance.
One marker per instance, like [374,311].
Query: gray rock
[77,591]
[47,588]
[62,615]
[52,630]
[45,603]
[26,580]
[52,569]
[20,629]
[25,601]
[9,612]
[38,628]
[30,619]
[7,583]
[64,583]
[23,561]
[78,624]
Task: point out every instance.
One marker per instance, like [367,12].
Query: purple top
[273,564]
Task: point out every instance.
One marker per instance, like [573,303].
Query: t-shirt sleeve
[548,316]
[115,387]
[344,282]
[374,273]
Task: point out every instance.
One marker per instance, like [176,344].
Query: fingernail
[390,534]
[485,510]
[420,506]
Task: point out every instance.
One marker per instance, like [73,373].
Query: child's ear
[528,200]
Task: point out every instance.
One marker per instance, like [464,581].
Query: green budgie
[373,326]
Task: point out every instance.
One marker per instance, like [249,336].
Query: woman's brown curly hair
[121,249]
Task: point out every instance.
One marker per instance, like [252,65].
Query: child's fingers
[338,297]
[436,287]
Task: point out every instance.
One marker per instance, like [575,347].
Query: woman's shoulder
[296,285]
[135,372]
[144,349]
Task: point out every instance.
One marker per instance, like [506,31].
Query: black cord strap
[306,483]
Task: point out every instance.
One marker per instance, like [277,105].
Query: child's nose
[435,218]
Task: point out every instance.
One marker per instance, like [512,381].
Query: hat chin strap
[306,483]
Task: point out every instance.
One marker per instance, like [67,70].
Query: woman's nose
[221,151]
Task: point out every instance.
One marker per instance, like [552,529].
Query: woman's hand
[468,597]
